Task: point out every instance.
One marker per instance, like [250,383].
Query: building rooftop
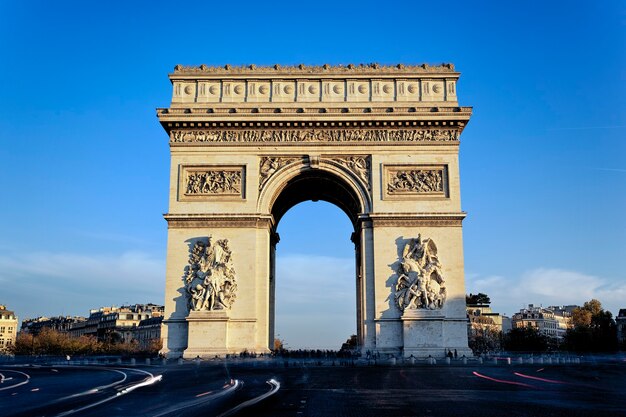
[302,69]
[337,93]
[6,314]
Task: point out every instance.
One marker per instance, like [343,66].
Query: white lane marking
[18,384]
[275,387]
[151,379]
[233,386]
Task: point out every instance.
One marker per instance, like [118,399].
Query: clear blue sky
[84,162]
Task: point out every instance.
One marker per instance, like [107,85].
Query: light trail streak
[19,383]
[146,382]
[228,389]
[502,381]
[151,379]
[536,378]
[95,389]
[204,393]
[275,386]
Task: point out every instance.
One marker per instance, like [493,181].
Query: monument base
[428,333]
[208,334]
[215,333]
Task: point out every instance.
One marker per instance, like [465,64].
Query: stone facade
[8,328]
[248,143]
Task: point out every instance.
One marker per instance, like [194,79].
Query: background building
[60,324]
[551,321]
[481,317]
[484,327]
[140,322]
[8,328]
[148,331]
[119,324]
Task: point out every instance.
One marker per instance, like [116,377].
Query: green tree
[525,339]
[581,317]
[483,340]
[279,345]
[52,342]
[479,298]
[594,329]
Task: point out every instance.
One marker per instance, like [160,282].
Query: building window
[10,329]
[2,329]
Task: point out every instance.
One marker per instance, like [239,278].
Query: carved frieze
[209,278]
[211,181]
[420,283]
[269,165]
[359,165]
[415,180]
[314,135]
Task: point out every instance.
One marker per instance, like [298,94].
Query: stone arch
[328,181]
[345,190]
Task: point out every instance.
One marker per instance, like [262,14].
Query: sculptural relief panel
[433,90]
[208,181]
[359,165]
[309,90]
[209,92]
[269,165]
[415,181]
[258,91]
[408,90]
[283,91]
[358,90]
[233,91]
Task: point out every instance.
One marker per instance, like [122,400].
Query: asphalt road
[254,388]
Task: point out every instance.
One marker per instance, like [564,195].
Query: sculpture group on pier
[420,283]
[210,276]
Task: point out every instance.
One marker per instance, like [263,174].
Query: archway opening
[315,300]
[315,294]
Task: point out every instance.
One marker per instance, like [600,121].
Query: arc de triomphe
[248,143]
